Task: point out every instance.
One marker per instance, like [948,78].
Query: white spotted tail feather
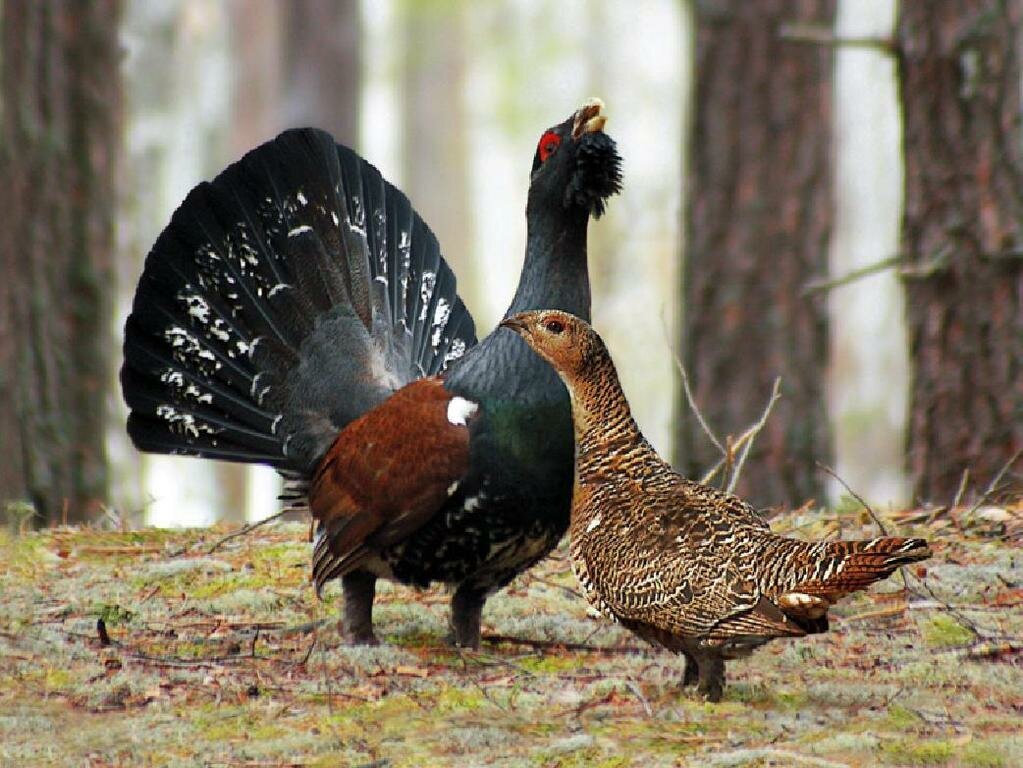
[288,296]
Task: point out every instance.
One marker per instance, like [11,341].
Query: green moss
[112,614]
[456,699]
[915,752]
[942,631]
[902,719]
[979,754]
[551,665]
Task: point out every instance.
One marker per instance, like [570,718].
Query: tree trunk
[963,238]
[758,223]
[435,146]
[61,123]
[322,66]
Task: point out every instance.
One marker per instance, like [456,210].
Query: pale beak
[513,323]
[589,118]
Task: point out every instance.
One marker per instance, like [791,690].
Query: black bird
[297,312]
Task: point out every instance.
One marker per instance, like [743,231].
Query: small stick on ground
[248,528]
[963,482]
[860,499]
[994,482]
[562,645]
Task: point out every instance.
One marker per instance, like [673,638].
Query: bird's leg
[466,612]
[689,674]
[711,676]
[359,588]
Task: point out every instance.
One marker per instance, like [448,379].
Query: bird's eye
[548,144]
[554,326]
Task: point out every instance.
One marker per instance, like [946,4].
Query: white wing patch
[461,410]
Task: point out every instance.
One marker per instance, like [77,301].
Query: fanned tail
[849,566]
[288,296]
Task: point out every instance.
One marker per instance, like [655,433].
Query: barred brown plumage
[682,565]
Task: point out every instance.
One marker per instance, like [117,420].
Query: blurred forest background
[829,191]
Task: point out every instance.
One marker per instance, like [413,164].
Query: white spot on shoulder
[453,487]
[301,198]
[592,526]
[461,410]
[473,502]
[299,230]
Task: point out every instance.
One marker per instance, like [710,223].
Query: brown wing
[385,475]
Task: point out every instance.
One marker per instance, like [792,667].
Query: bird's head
[565,341]
[576,165]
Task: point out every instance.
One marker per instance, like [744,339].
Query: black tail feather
[286,297]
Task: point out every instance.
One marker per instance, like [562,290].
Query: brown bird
[682,565]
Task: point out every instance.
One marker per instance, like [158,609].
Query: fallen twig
[860,499]
[994,482]
[897,610]
[248,528]
[562,644]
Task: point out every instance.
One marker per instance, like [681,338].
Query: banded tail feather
[850,566]
[288,296]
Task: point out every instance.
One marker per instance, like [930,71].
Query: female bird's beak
[515,323]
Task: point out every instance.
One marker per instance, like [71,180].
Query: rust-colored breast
[390,470]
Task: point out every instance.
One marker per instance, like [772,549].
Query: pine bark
[758,221]
[322,66]
[435,146]
[61,121]
[963,239]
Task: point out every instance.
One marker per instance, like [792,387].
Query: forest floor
[226,658]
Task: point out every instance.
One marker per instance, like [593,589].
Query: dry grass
[228,659]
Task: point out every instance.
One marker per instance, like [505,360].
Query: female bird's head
[565,341]
[576,165]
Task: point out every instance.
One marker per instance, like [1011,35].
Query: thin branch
[705,480]
[750,434]
[963,482]
[245,529]
[826,284]
[695,408]
[689,392]
[745,440]
[562,644]
[995,481]
[860,499]
[818,34]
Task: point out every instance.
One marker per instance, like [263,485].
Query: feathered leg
[466,614]
[359,589]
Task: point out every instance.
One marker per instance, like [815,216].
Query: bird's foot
[711,676]
[712,692]
[358,635]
